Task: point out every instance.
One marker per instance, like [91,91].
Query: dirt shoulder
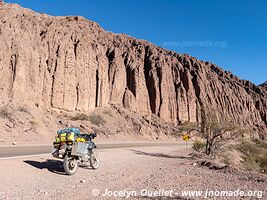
[129,169]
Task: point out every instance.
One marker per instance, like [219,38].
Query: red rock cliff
[71,63]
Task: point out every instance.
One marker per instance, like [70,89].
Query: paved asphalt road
[14,151]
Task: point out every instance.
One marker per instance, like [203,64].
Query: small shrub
[4,113]
[107,112]
[226,160]
[96,119]
[261,143]
[262,161]
[80,116]
[188,127]
[199,145]
[33,123]
[248,148]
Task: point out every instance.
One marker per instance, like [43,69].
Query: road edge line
[26,156]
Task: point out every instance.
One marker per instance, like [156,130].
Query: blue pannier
[69,130]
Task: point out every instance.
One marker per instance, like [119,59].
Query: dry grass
[254,155]
[199,145]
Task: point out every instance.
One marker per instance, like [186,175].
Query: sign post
[186,138]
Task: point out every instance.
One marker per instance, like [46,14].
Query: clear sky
[229,33]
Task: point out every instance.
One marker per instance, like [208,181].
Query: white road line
[25,145]
[26,156]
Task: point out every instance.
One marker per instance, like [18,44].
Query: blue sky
[229,33]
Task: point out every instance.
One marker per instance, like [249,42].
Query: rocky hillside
[264,86]
[72,64]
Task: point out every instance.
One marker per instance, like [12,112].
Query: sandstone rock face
[71,63]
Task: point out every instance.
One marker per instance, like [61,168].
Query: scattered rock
[83,181]
[8,125]
[260,180]
[215,165]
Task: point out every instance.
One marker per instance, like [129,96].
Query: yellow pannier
[65,137]
[80,139]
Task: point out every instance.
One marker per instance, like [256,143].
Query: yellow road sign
[186,137]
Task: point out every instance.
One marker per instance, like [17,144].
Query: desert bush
[226,159]
[4,113]
[262,161]
[80,116]
[212,129]
[107,112]
[199,145]
[216,129]
[254,155]
[188,127]
[96,119]
[260,143]
[33,123]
